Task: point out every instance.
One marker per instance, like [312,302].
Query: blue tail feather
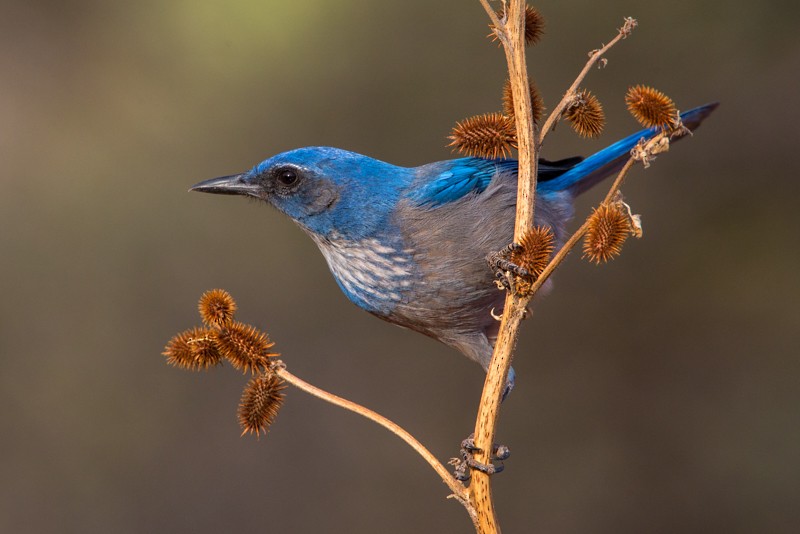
[611,159]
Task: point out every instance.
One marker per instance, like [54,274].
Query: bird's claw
[504,269]
[467,461]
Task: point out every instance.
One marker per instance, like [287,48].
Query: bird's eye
[287,177]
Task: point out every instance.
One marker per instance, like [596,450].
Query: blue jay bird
[409,245]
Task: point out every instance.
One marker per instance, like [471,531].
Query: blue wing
[458,177]
[453,179]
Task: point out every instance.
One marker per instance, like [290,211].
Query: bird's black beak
[227,185]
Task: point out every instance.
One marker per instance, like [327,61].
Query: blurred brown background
[658,393]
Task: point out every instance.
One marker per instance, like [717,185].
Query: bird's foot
[467,461]
[505,270]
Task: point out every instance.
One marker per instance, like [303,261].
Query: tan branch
[512,35]
[488,411]
[458,489]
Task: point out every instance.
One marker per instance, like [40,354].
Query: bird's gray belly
[453,292]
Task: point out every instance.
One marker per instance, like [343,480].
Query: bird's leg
[467,460]
[504,269]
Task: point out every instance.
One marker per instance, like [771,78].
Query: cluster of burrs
[243,346]
[611,223]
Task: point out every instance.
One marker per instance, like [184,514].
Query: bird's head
[327,191]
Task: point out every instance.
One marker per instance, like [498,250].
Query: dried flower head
[609,227]
[586,115]
[261,401]
[490,135]
[537,104]
[193,349]
[651,107]
[634,219]
[629,23]
[244,346]
[646,150]
[216,307]
[536,247]
[534,25]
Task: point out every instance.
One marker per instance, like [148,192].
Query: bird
[409,244]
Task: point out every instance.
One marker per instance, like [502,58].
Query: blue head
[328,191]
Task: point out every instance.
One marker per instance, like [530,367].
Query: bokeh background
[659,393]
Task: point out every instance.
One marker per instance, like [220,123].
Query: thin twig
[622,33]
[492,14]
[619,180]
[458,489]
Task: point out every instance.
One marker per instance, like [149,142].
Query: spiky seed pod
[586,114]
[651,107]
[537,104]
[216,307]
[490,135]
[205,350]
[536,247]
[260,403]
[244,346]
[193,350]
[609,227]
[178,350]
[534,25]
